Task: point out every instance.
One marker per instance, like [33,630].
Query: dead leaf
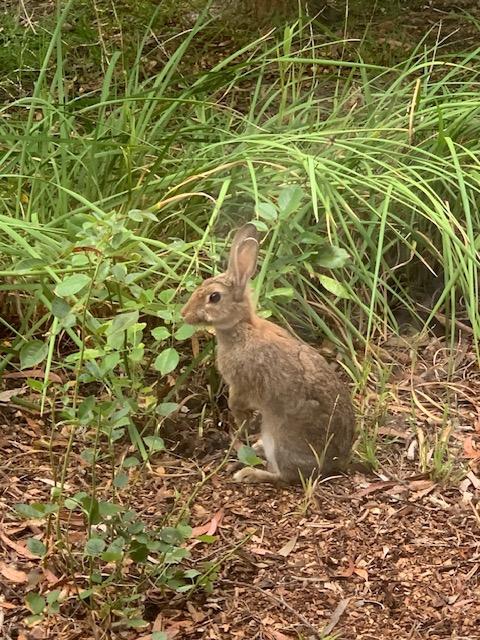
[474,480]
[6,396]
[288,547]
[469,449]
[33,373]
[375,486]
[209,528]
[197,616]
[12,574]
[361,573]
[278,635]
[19,548]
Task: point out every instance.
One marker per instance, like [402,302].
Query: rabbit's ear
[243,262]
[247,231]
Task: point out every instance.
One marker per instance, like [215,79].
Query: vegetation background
[133,138]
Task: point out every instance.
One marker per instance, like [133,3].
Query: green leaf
[185,331]
[185,530]
[334,286]
[36,547]
[167,361]
[114,553]
[95,546]
[283,292]
[191,573]
[36,510]
[137,623]
[207,538]
[160,333]
[167,295]
[130,462]
[267,211]
[89,455]
[154,443]
[71,285]
[166,408]
[136,215]
[53,596]
[332,257]
[171,535]
[85,409]
[122,322]
[120,480]
[247,456]
[60,308]
[289,199]
[107,509]
[159,635]
[32,353]
[138,551]
[35,602]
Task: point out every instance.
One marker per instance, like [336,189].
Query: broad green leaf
[167,295]
[167,361]
[332,257]
[166,408]
[171,535]
[32,353]
[159,635]
[284,292]
[35,602]
[335,287]
[267,211]
[185,331]
[60,308]
[85,409]
[154,443]
[130,462]
[160,333]
[36,510]
[95,546]
[71,285]
[36,547]
[289,199]
[114,552]
[248,456]
[53,596]
[122,322]
[107,509]
[191,573]
[120,480]
[136,623]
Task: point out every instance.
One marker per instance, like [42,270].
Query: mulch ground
[391,555]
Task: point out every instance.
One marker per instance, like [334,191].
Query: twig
[27,17]
[336,615]
[281,602]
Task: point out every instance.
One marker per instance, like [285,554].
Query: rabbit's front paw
[247,474]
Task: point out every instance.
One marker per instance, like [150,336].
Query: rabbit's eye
[214,297]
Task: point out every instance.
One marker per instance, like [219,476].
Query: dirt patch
[391,555]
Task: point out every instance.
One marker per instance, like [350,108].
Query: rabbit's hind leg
[252,475]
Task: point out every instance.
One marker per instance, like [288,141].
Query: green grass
[115,201]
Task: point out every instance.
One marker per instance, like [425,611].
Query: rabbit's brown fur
[308,424]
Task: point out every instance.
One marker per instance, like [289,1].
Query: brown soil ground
[391,555]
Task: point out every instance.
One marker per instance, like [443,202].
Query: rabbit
[307,417]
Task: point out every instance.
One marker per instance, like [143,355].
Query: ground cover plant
[116,196]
